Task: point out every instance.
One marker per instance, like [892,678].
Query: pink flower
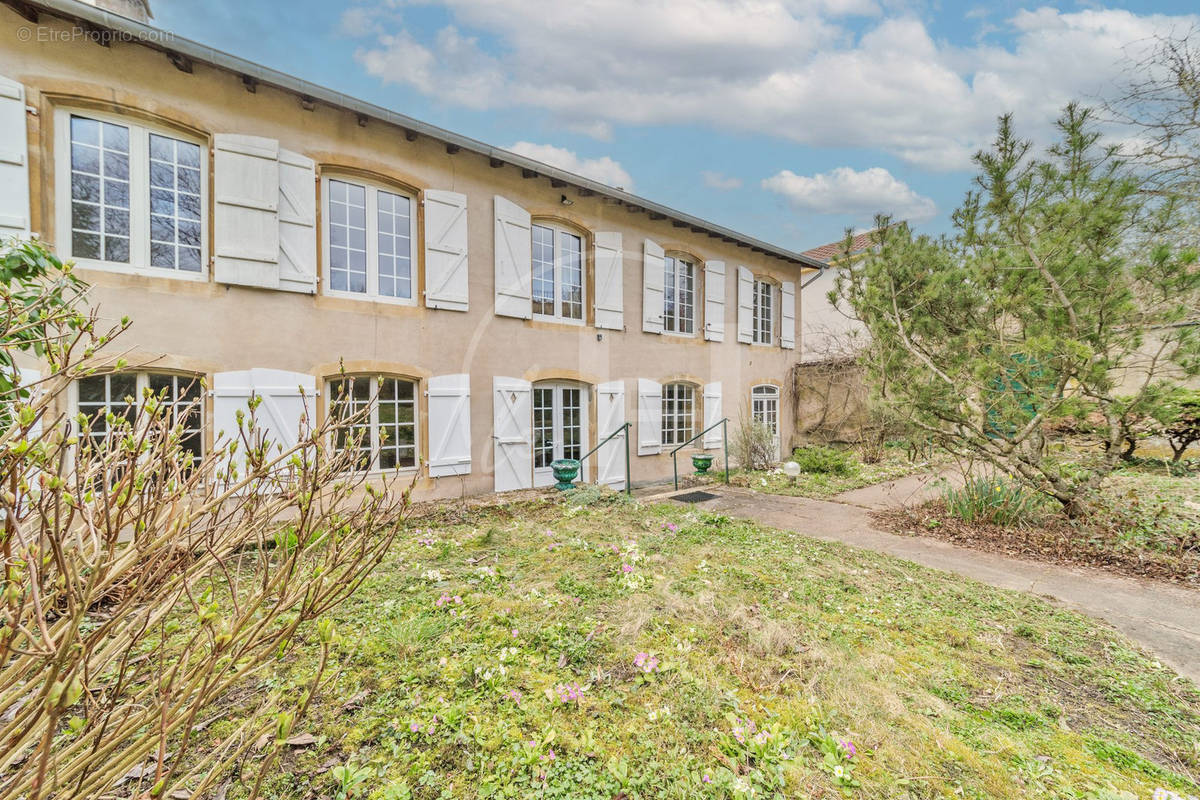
[672,527]
[457,600]
[514,633]
[414,727]
[441,601]
[551,547]
[706,779]
[645,662]
[848,746]
[570,692]
[627,568]
[515,696]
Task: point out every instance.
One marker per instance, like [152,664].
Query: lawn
[852,473]
[612,650]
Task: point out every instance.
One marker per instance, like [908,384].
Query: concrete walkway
[1162,617]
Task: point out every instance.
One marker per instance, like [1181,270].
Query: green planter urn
[565,470]
[702,462]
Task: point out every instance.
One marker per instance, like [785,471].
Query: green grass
[771,650]
[895,464]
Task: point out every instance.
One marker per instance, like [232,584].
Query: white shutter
[714,301]
[286,411]
[787,328]
[649,417]
[445,250]
[512,432]
[246,219]
[514,254]
[652,287]
[610,264]
[610,415]
[14,161]
[745,297]
[712,414]
[297,223]
[449,425]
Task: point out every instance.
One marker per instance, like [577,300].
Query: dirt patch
[1053,540]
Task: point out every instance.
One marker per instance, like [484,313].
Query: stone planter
[565,470]
[702,462]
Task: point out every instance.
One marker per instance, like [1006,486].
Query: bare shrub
[139,586]
[753,444]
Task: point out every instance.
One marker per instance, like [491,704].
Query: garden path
[1162,617]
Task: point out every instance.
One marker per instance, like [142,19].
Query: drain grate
[693,497]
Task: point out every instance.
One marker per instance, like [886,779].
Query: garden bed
[856,474]
[1145,525]
[591,647]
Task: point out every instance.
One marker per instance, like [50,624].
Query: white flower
[839,770]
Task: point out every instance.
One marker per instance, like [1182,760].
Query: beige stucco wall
[212,327]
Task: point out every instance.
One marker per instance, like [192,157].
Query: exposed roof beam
[495,163]
[28,12]
[181,62]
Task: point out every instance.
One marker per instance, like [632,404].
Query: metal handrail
[623,429]
[724,446]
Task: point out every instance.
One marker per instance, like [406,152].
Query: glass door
[764,408]
[559,427]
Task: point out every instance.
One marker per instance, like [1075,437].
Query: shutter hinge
[31,110]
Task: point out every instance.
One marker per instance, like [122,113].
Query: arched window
[381,415]
[679,412]
[121,393]
[370,239]
[138,195]
[679,295]
[764,406]
[557,271]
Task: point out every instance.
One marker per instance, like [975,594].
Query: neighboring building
[829,331]
[263,232]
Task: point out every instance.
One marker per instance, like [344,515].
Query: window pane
[174,203]
[347,237]
[543,270]
[571,267]
[543,427]
[99,190]
[395,245]
[686,295]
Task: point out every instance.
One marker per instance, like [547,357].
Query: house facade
[269,236]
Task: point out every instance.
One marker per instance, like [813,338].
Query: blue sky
[784,119]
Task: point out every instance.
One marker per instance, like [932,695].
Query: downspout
[820,272]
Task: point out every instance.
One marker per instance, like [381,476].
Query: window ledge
[367,298]
[143,272]
[574,323]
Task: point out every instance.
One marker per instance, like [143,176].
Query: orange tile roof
[830,252]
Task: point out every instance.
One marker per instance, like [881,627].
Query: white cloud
[602,169]
[718,180]
[597,129]
[794,69]
[844,190]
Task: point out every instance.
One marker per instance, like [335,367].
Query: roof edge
[175,46]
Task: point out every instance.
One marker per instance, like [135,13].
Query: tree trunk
[1130,446]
